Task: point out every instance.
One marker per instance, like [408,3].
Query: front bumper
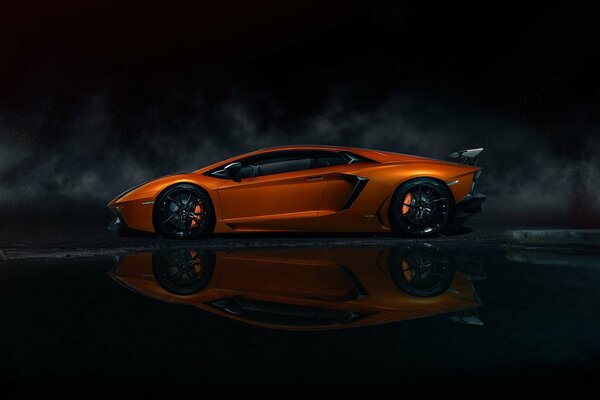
[468,207]
[118,223]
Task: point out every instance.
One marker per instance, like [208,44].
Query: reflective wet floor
[423,316]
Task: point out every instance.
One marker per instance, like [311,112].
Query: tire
[420,269]
[423,218]
[184,211]
[183,271]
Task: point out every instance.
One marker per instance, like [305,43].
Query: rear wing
[468,157]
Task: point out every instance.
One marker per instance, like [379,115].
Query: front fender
[136,206]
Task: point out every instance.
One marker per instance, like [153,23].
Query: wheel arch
[414,178]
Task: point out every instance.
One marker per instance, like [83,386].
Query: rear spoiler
[468,157]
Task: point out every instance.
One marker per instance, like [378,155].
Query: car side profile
[307,189]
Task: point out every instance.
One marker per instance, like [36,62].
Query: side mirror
[233,170]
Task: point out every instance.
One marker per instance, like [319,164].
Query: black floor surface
[65,322]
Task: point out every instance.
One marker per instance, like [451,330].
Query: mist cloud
[91,155]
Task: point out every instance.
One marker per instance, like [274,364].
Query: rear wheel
[421,207]
[184,211]
[421,269]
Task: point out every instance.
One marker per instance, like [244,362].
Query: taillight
[475,179]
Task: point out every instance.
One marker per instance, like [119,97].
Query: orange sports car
[307,189]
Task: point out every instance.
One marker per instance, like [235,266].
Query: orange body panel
[282,194]
[307,200]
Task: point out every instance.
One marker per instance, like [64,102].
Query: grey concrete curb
[554,237]
[551,257]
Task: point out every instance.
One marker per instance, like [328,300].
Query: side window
[328,159]
[286,161]
[281,163]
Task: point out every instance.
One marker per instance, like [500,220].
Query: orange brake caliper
[197,261]
[406,271]
[406,203]
[197,210]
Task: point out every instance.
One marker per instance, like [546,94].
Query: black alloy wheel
[184,211]
[421,269]
[183,271]
[421,207]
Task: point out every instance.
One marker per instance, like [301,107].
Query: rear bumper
[468,207]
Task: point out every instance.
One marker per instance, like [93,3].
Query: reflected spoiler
[468,157]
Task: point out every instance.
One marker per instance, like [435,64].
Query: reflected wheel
[183,271]
[420,269]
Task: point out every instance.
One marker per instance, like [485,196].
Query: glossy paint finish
[306,200]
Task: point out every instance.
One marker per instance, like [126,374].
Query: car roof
[303,147]
[375,155]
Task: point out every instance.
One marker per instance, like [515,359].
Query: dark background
[98,96]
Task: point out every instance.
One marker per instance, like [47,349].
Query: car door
[284,186]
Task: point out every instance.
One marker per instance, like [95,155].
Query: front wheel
[183,271]
[184,211]
[421,207]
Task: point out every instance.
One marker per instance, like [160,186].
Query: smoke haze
[94,153]
[97,97]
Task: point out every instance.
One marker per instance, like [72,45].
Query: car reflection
[307,289]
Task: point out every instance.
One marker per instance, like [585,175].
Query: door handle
[315,178]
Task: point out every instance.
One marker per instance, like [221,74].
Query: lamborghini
[309,289]
[307,189]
